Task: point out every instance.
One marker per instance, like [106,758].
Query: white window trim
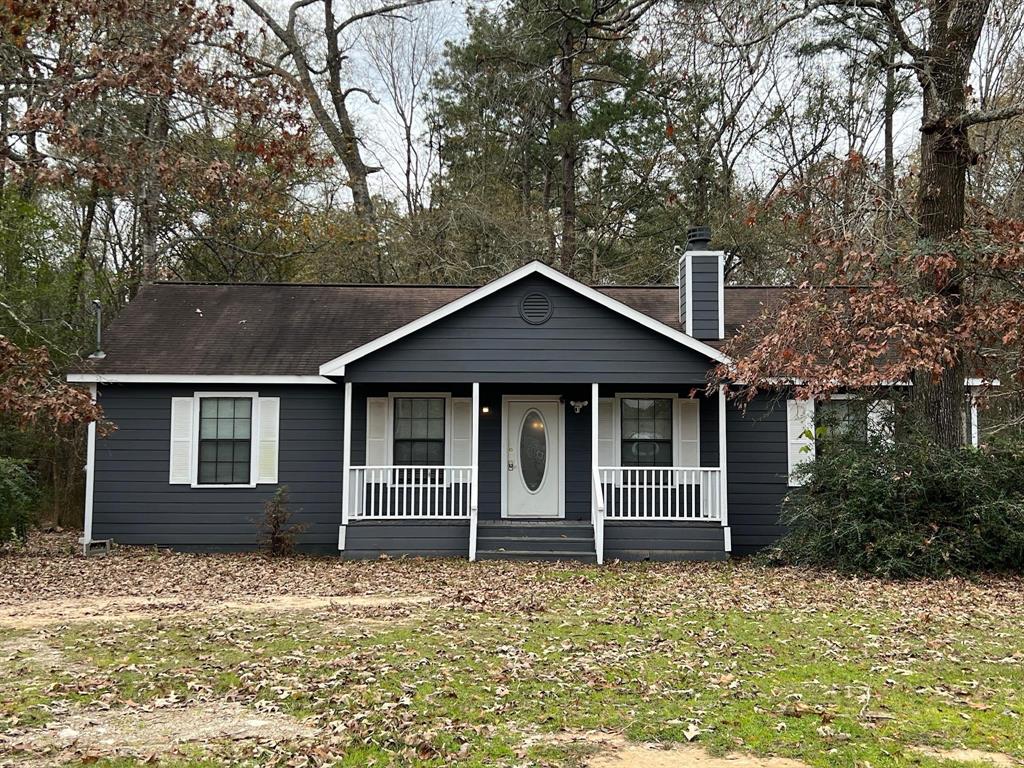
[254,437]
[448,419]
[677,423]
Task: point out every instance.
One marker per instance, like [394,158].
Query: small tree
[277,533]
[31,391]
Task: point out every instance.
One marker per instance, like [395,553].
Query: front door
[533,451]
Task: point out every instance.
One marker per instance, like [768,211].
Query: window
[841,419]
[419,431]
[646,432]
[225,440]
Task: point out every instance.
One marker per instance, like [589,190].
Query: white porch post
[90,478]
[346,462]
[723,462]
[474,492]
[595,512]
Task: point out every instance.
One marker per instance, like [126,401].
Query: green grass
[830,687]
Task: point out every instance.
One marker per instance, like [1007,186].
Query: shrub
[277,533]
[19,494]
[907,509]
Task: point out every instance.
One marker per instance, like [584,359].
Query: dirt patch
[156,732]
[614,751]
[969,756]
[46,612]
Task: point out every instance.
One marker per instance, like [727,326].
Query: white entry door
[533,458]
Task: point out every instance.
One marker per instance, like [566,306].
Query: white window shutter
[376,431]
[269,439]
[880,416]
[688,430]
[799,434]
[462,431]
[181,440]
[606,432]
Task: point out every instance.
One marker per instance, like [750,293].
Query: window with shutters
[225,441]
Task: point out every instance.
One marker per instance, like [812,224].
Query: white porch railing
[407,492]
[661,493]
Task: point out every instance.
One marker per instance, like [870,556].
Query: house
[531,417]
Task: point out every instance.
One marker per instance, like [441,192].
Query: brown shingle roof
[291,329]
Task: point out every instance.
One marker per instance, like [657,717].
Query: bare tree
[319,70]
[402,58]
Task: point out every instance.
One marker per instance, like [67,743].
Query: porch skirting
[369,539]
[646,540]
[624,540]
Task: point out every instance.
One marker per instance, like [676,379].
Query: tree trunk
[889,114]
[567,128]
[941,204]
[344,139]
[157,127]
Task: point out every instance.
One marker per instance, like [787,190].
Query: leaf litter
[428,662]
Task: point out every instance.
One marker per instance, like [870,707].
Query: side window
[225,440]
[419,429]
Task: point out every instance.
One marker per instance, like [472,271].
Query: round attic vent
[535,308]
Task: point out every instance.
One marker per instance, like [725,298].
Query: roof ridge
[461,286]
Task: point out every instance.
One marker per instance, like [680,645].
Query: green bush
[18,496]
[907,509]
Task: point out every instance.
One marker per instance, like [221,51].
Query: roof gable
[336,367]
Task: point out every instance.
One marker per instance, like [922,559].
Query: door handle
[511,461]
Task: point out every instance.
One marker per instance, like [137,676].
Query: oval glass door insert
[533,450]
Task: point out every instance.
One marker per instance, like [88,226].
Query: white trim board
[90,479]
[336,367]
[172,378]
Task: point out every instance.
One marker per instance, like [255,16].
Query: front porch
[590,472]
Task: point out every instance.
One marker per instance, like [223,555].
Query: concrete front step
[579,557]
[535,540]
[493,543]
[664,555]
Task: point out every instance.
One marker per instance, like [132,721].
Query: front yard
[220,660]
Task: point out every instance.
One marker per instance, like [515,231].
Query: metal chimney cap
[698,238]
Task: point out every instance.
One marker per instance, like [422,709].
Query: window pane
[435,453]
[403,453]
[435,429]
[419,428]
[207,472]
[403,407]
[436,408]
[403,428]
[242,427]
[207,428]
[419,409]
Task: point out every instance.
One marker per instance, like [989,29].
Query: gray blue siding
[134,503]
[704,294]
[490,342]
[416,538]
[663,541]
[757,472]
